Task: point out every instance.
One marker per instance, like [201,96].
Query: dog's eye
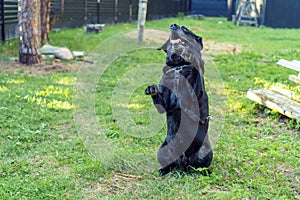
[185,30]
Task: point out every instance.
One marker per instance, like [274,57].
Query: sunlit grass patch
[55,104]
[3,88]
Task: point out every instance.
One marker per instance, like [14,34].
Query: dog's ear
[165,46]
[199,40]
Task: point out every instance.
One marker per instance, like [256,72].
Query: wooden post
[62,9]
[263,12]
[116,10]
[86,17]
[98,11]
[130,11]
[142,19]
[231,9]
[45,20]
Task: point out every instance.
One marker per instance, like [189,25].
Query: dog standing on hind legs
[181,95]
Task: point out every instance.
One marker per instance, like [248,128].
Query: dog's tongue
[177,41]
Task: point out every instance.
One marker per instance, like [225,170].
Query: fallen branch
[128,176]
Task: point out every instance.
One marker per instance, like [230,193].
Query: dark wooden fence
[70,13]
[282,14]
[76,13]
[8,19]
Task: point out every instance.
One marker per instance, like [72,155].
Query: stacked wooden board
[295,65]
[280,102]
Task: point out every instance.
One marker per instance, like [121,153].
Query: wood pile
[283,101]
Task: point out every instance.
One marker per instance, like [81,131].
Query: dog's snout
[174,26]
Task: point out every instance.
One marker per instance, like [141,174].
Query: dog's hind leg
[202,160]
[165,160]
[165,170]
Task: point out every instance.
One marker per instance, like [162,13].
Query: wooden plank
[288,64]
[294,78]
[296,61]
[276,102]
[288,93]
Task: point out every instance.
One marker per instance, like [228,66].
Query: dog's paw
[164,171]
[151,90]
[206,172]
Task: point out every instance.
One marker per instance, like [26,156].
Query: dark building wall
[282,13]
[216,8]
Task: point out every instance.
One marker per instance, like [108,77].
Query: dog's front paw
[151,90]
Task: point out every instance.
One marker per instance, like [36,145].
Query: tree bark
[45,20]
[30,35]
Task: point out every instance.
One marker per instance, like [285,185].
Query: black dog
[181,95]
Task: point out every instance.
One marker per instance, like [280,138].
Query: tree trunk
[30,35]
[45,20]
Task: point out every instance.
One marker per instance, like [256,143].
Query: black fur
[181,95]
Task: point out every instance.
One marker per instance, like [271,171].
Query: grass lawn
[91,133]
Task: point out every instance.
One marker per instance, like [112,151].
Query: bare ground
[210,47]
[44,67]
[150,35]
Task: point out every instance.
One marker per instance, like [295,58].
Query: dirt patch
[151,35]
[210,46]
[156,36]
[115,185]
[120,182]
[42,68]
[217,48]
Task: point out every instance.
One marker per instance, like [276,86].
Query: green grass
[43,155]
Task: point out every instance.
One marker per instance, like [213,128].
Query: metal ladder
[248,14]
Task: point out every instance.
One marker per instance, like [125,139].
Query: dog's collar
[178,69]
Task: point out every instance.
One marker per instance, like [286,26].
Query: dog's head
[182,47]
